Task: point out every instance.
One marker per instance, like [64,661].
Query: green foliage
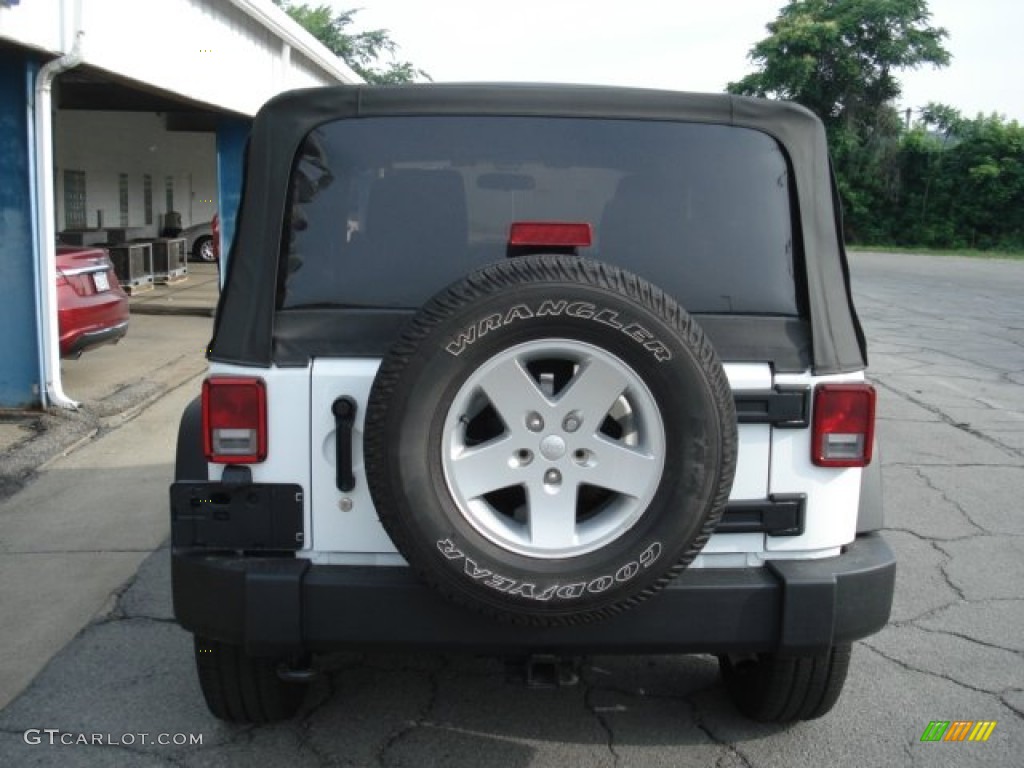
[948,182]
[961,186]
[360,50]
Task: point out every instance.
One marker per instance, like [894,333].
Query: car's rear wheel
[202,249]
[244,689]
[551,441]
[785,688]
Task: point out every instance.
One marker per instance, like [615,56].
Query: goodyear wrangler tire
[244,689]
[551,440]
[785,688]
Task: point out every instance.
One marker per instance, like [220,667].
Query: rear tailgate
[346,522]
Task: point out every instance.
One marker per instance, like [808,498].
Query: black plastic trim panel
[91,339]
[780,515]
[252,516]
[277,606]
[782,408]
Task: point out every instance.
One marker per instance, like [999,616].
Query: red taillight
[234,419]
[550,233]
[215,233]
[844,425]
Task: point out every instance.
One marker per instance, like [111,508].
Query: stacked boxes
[133,265]
[170,264]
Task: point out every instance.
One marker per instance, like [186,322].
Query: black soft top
[245,318]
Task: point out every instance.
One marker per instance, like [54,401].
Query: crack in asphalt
[911,668]
[947,560]
[930,539]
[961,635]
[922,617]
[944,417]
[946,497]
[115,618]
[422,720]
[588,702]
[909,753]
[703,727]
[329,686]
[1012,707]
[964,360]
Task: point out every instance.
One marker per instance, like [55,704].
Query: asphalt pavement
[947,353]
[83,492]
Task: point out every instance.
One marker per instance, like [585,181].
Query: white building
[112,113]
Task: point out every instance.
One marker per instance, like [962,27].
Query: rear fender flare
[870,515]
[189,458]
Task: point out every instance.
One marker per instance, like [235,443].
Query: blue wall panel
[232,135]
[19,353]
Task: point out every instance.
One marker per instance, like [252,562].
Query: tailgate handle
[344,410]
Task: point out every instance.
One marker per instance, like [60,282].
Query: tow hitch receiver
[544,670]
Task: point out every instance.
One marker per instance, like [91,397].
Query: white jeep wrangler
[532,370]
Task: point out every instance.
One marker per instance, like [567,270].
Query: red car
[91,307]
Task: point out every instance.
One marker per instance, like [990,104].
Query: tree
[360,50]
[839,59]
[961,183]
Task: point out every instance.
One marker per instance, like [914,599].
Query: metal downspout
[46,243]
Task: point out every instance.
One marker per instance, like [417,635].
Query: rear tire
[202,249]
[244,689]
[551,441]
[779,688]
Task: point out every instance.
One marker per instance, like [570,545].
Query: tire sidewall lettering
[627,572]
[530,590]
[607,317]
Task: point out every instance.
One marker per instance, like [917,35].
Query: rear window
[387,211]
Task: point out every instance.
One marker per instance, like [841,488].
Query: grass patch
[966,253]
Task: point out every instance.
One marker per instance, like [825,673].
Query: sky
[686,45]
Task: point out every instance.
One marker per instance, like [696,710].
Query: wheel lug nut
[552,477]
[534,422]
[572,422]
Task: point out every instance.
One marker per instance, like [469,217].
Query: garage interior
[125,157]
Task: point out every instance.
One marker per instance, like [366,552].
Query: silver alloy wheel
[206,250]
[553,448]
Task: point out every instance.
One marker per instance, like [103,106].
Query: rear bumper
[282,605]
[90,321]
[78,341]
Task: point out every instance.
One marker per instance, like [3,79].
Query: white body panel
[833,495]
[344,522]
[343,528]
[346,528]
[755,448]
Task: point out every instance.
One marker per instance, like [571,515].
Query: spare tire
[551,440]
